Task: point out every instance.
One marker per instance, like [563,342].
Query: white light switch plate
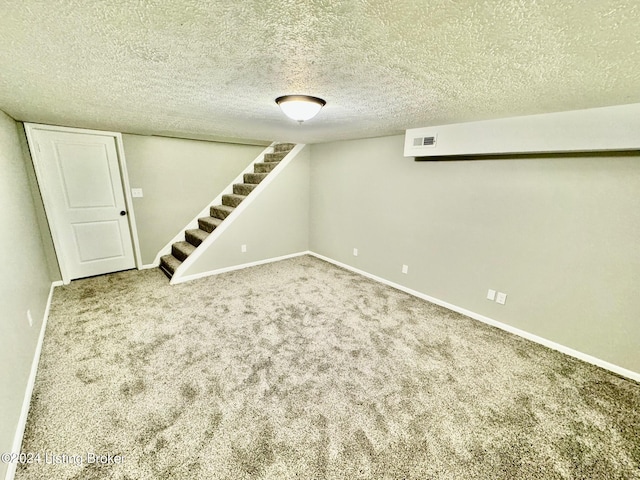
[136,193]
[243,248]
[355,252]
[405,268]
[491,295]
[501,298]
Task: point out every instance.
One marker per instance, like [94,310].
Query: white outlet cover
[355,252]
[491,295]
[501,298]
[243,248]
[136,193]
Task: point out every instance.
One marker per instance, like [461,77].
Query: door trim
[124,178]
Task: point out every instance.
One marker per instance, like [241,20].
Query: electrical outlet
[501,298]
[30,318]
[243,248]
[355,252]
[136,193]
[405,268]
[491,295]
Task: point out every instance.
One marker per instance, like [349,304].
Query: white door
[81,183]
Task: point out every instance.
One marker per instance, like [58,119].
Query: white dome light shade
[300,107]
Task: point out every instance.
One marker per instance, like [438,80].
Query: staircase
[218,213]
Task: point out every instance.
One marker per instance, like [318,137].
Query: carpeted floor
[302,370]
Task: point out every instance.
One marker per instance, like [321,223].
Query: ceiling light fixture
[300,107]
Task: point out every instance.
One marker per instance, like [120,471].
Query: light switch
[491,295]
[136,193]
[501,298]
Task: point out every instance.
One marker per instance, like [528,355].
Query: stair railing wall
[193,224]
[205,211]
[252,197]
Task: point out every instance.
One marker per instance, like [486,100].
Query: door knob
[123,213]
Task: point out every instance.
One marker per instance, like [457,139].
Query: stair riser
[180,254]
[220,213]
[254,177]
[283,147]
[206,224]
[167,272]
[264,167]
[230,201]
[168,264]
[192,239]
[274,157]
[243,189]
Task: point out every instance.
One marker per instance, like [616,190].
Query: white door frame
[124,177]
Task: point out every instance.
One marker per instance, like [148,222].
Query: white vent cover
[425,141]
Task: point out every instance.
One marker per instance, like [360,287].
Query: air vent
[424,142]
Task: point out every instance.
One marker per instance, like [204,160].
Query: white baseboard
[503,326]
[196,276]
[148,266]
[26,403]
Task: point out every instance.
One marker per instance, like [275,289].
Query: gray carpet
[302,370]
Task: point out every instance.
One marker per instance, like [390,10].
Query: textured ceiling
[212,69]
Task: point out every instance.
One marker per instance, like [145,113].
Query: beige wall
[558,235]
[179,178]
[275,224]
[24,284]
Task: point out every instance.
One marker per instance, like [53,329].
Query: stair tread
[247,188]
[254,177]
[226,208]
[181,250]
[198,233]
[274,157]
[210,223]
[232,199]
[283,147]
[235,195]
[198,236]
[185,245]
[221,211]
[169,264]
[264,167]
